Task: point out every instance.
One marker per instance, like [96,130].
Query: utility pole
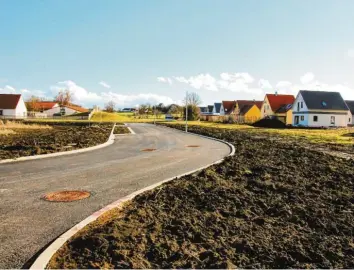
[186,111]
[154,115]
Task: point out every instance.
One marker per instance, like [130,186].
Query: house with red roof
[52,108]
[12,106]
[227,107]
[279,106]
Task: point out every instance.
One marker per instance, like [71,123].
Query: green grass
[335,136]
[124,117]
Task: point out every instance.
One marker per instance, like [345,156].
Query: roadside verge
[44,258]
[77,151]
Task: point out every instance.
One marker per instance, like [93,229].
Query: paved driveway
[28,223]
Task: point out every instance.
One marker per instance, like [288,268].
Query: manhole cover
[148,149]
[66,196]
[193,146]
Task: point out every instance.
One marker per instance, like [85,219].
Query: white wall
[324,120]
[297,104]
[266,109]
[350,118]
[52,111]
[8,112]
[222,110]
[21,109]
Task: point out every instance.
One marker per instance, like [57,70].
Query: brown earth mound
[272,205]
[269,123]
[61,137]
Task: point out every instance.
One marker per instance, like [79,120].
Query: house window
[1,112]
[302,104]
[62,111]
[298,106]
[349,120]
[333,120]
[302,118]
[315,118]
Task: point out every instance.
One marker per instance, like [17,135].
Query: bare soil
[272,205]
[63,136]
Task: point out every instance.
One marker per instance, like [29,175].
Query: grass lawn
[334,136]
[274,204]
[124,117]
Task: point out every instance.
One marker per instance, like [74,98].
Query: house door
[296,120]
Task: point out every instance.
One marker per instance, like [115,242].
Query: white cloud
[307,78]
[264,84]
[283,84]
[164,80]
[80,94]
[104,84]
[87,98]
[351,53]
[133,100]
[8,90]
[201,81]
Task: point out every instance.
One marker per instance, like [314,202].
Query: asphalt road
[28,223]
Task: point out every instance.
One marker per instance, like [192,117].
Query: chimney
[276,92]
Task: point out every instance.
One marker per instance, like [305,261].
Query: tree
[193,99]
[193,113]
[109,106]
[64,97]
[32,103]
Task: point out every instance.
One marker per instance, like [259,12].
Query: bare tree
[31,103]
[109,106]
[193,99]
[64,97]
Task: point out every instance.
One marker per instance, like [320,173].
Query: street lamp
[186,111]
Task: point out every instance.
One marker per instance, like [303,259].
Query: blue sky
[154,51]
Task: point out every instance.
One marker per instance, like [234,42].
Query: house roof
[210,108]
[322,100]
[217,107]
[250,102]
[203,109]
[43,105]
[9,101]
[276,101]
[285,108]
[244,108]
[350,104]
[229,106]
[76,108]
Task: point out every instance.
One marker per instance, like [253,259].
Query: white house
[12,106]
[50,108]
[350,104]
[320,109]
[216,109]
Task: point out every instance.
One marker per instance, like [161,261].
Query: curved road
[28,223]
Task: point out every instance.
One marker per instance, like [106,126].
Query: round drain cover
[66,196]
[193,146]
[148,149]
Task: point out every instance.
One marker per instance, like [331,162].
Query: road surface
[28,223]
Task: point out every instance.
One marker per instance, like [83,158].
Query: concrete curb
[77,151]
[43,259]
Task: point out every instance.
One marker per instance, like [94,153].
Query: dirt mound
[60,137]
[272,205]
[269,123]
